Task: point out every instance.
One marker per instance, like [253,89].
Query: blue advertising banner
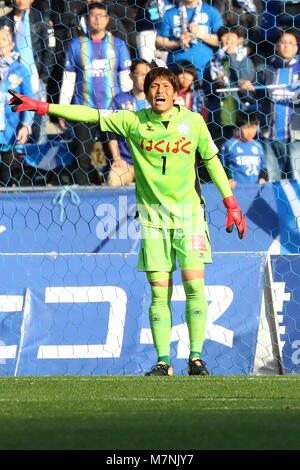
[103,220]
[72,301]
[88,315]
[287,193]
[286,270]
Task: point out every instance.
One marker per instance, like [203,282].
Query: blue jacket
[280,108]
[15,77]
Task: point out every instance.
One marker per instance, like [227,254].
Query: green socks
[161,321]
[161,318]
[195,315]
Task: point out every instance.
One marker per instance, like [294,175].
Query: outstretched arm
[76,113]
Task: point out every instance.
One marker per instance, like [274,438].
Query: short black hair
[246,119]
[186,66]
[136,62]
[161,72]
[238,30]
[94,5]
[294,32]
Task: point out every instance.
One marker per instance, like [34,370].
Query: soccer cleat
[160,369]
[197,367]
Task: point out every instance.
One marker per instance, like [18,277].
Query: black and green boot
[160,369]
[197,367]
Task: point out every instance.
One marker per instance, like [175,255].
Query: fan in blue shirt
[14,130]
[189,32]
[243,157]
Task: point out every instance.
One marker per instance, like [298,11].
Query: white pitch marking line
[175,379]
[200,399]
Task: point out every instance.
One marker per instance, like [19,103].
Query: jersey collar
[174,112]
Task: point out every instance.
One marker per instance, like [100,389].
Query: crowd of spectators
[237,63]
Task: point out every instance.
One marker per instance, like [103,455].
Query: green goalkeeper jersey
[163,149]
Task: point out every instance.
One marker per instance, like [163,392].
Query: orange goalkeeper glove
[20,103]
[234,216]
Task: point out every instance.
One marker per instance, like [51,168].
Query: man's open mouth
[160,99]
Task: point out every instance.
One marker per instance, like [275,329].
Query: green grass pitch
[150,413]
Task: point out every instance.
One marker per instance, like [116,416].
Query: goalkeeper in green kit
[163,141]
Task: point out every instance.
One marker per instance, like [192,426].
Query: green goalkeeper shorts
[161,247]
